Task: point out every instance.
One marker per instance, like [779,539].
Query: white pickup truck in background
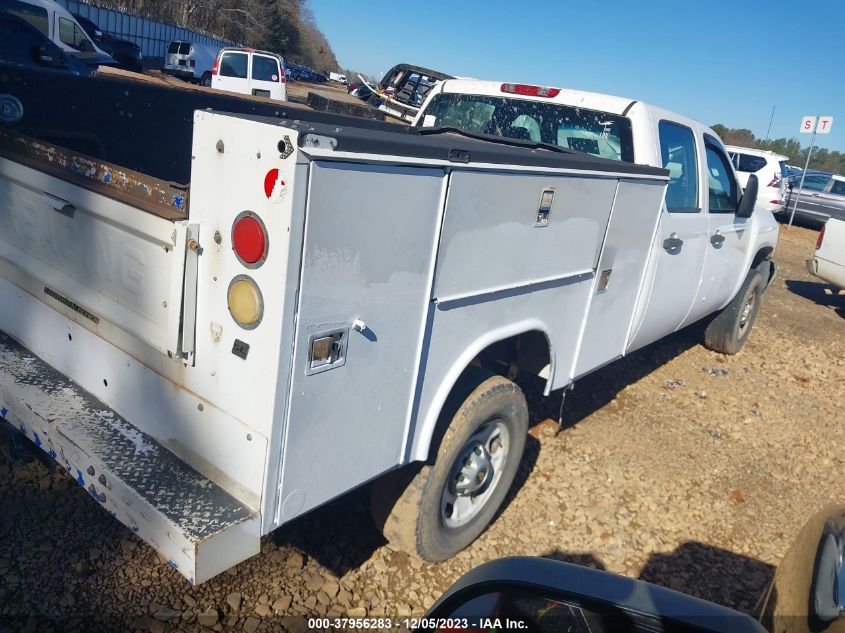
[829,262]
[212,360]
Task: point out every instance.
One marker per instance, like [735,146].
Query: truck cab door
[728,236]
[677,257]
[232,73]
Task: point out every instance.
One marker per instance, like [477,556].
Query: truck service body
[212,361]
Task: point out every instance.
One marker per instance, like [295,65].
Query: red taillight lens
[820,239]
[249,240]
[775,182]
[282,78]
[215,66]
[530,91]
[193,63]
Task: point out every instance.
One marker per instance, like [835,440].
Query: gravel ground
[676,465]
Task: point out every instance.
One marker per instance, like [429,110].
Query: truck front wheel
[729,330]
[448,504]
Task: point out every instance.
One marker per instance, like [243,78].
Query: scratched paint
[106,174]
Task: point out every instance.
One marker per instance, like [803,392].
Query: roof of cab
[589,100]
[756,152]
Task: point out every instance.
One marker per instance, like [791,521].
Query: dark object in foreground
[807,595]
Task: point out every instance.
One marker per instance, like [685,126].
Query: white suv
[771,174]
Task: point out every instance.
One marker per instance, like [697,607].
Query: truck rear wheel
[729,330]
[448,504]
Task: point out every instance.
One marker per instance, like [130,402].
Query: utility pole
[804,173]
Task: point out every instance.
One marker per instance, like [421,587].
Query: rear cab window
[36,16]
[233,64]
[265,68]
[173,48]
[593,132]
[678,155]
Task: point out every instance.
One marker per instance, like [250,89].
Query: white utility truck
[330,302]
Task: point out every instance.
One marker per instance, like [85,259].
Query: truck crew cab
[707,260]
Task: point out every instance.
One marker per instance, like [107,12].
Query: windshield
[589,131]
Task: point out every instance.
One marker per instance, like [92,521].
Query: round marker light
[246,304]
[249,239]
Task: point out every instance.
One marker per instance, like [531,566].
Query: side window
[19,39]
[173,48]
[72,35]
[838,187]
[36,16]
[677,150]
[722,192]
[265,68]
[815,182]
[750,163]
[233,65]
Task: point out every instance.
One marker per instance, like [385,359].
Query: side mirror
[811,577]
[538,594]
[98,34]
[749,198]
[50,58]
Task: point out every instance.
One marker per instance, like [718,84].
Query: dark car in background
[21,44]
[127,54]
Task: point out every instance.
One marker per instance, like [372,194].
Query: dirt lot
[676,465]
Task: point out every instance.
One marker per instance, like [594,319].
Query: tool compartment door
[620,272]
[368,255]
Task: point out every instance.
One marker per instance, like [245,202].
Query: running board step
[198,527]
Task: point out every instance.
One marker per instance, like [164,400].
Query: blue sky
[718,62]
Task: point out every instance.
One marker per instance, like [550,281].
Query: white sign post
[814,125]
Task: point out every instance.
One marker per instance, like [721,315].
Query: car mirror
[49,58]
[98,34]
[537,594]
[749,198]
[811,577]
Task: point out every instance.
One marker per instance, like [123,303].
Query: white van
[250,72]
[56,23]
[189,61]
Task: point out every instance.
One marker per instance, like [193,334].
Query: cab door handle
[673,242]
[717,239]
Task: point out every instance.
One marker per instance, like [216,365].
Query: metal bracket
[182,298]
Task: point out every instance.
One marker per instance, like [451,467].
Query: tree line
[281,26]
[822,158]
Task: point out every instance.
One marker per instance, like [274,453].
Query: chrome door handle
[717,239]
[672,242]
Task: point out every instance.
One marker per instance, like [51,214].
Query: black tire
[729,330]
[418,521]
[205,80]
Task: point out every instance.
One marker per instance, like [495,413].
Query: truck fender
[424,429]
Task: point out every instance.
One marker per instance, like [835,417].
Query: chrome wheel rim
[745,317]
[475,474]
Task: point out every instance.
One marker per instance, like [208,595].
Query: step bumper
[198,527]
